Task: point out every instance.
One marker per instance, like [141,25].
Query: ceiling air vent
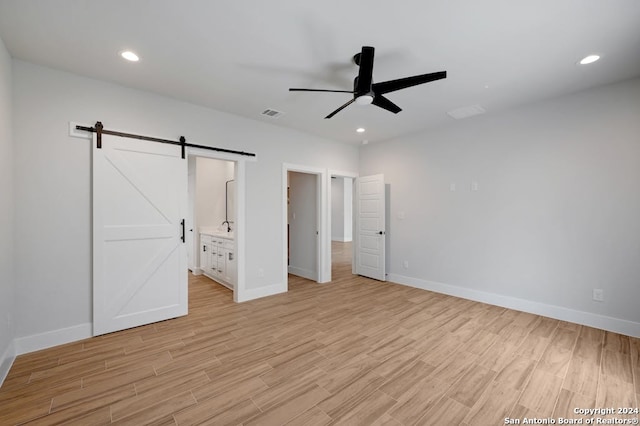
[272,113]
[467,111]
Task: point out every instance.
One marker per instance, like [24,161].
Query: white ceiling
[242,56]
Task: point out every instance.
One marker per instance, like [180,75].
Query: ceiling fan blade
[341,108]
[385,103]
[320,90]
[403,83]
[365,73]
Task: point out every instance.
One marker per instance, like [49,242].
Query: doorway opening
[342,222]
[212,215]
[306,240]
[216,218]
[302,225]
[341,225]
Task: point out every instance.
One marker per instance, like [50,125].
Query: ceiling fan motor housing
[356,59]
[358,92]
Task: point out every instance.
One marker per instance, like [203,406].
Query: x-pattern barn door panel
[139,258]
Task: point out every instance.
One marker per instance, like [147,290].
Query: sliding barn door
[139,255]
[370,227]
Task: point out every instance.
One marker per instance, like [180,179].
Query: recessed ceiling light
[360,130]
[589,59]
[130,56]
[365,142]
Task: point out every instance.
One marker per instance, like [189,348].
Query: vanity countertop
[215,232]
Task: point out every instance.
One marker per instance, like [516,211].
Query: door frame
[239,242]
[342,174]
[324,235]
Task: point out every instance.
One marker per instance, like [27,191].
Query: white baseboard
[52,338]
[615,325]
[256,293]
[341,239]
[304,273]
[6,362]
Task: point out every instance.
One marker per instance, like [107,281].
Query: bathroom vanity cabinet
[217,258]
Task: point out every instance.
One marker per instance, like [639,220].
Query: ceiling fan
[365,91]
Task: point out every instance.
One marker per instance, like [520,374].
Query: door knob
[381,232]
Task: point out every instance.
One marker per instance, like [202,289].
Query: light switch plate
[598,295]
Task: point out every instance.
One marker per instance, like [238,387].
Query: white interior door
[139,254]
[191,238]
[370,227]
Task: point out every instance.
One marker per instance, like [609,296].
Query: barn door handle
[182,225]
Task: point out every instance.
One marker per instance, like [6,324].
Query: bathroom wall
[211,177]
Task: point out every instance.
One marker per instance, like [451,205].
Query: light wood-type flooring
[354,352]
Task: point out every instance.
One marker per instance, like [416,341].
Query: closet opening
[302,225]
[305,237]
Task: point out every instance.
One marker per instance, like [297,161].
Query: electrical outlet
[260,272]
[405,264]
[474,185]
[452,186]
[598,295]
[9,322]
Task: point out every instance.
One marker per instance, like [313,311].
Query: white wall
[303,225]
[211,176]
[52,176]
[348,208]
[341,208]
[7,280]
[337,209]
[556,214]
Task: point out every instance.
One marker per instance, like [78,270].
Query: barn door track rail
[100,130]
